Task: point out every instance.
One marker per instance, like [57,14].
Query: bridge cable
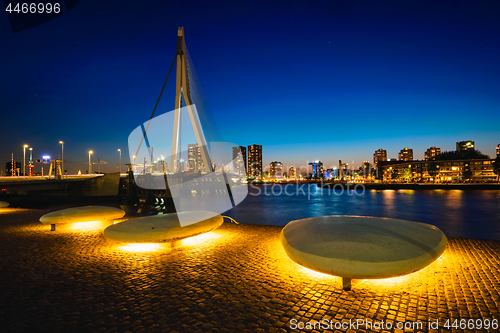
[154,110]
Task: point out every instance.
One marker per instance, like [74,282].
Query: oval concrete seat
[4,204]
[163,228]
[82,214]
[362,247]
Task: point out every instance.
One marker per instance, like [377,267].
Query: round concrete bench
[357,247]
[81,214]
[163,228]
[4,204]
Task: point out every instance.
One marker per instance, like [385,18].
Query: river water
[458,213]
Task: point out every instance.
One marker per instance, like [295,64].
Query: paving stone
[236,278]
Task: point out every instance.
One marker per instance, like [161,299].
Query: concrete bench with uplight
[358,247]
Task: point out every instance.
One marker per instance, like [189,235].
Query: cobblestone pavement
[234,279]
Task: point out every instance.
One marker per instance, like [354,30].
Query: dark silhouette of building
[8,168]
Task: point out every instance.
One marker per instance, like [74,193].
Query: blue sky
[324,80]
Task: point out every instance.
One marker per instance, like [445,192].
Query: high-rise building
[432,153]
[464,146]
[255,161]
[498,150]
[192,153]
[406,154]
[195,161]
[291,173]
[240,160]
[276,170]
[317,169]
[379,156]
[344,171]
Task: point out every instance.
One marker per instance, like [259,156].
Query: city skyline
[194,162]
[405,75]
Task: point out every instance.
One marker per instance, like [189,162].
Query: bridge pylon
[182,89]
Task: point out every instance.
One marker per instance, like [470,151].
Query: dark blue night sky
[306,79]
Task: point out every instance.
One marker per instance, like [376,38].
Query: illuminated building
[317,170]
[276,170]
[254,161]
[465,145]
[365,169]
[344,171]
[432,153]
[406,154]
[192,153]
[292,174]
[454,171]
[195,162]
[240,160]
[379,156]
[498,150]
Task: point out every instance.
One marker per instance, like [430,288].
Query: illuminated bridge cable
[154,110]
[230,218]
[206,118]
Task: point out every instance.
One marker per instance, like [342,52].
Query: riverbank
[235,278]
[411,186]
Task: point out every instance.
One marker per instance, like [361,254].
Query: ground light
[142,247]
[8,210]
[379,285]
[186,242]
[87,225]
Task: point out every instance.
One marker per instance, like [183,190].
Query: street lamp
[24,165]
[120,160]
[90,163]
[31,161]
[62,156]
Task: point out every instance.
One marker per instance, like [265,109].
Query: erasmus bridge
[216,186]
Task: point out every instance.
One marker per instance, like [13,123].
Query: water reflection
[465,214]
